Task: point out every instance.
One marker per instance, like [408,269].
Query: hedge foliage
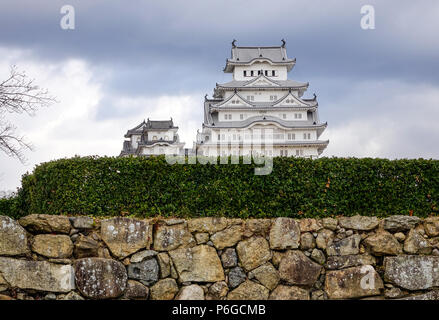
[297,187]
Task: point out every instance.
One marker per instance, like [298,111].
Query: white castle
[260,111]
[152,138]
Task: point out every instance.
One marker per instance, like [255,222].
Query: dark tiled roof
[151,124]
[245,55]
[160,124]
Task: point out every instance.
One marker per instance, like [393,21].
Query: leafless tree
[19,94]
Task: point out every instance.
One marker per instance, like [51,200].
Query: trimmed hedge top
[297,187]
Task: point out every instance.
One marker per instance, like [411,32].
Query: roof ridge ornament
[233,43]
[283,43]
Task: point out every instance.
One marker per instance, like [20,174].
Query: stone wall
[57,257]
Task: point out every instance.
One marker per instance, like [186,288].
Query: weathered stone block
[310,225]
[171,237]
[53,246]
[253,252]
[267,275]
[207,224]
[146,271]
[415,243]
[85,247]
[125,236]
[99,278]
[284,234]
[346,246]
[236,276]
[227,237]
[136,291]
[37,275]
[13,240]
[289,293]
[342,262]
[165,289]
[296,268]
[383,243]
[197,264]
[412,272]
[431,226]
[45,223]
[192,292]
[249,290]
[400,223]
[229,258]
[82,222]
[358,222]
[353,282]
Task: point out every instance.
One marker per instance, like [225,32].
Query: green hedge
[297,187]
[8,207]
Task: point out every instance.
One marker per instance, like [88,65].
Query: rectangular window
[245,73]
[273,73]
[225,116]
[259,72]
[250,98]
[273,98]
[281,152]
[266,73]
[219,137]
[252,73]
[304,136]
[241,116]
[284,116]
[291,136]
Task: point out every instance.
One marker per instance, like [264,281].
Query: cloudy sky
[130,60]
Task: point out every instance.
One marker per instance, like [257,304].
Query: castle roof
[246,84]
[248,55]
[151,125]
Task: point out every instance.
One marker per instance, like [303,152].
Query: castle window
[241,116]
[154,138]
[266,72]
[250,98]
[245,73]
[291,136]
[284,116]
[273,73]
[251,73]
[219,137]
[273,98]
[297,116]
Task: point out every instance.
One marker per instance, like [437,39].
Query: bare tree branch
[19,94]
